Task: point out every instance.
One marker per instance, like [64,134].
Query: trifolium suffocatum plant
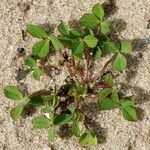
[64,105]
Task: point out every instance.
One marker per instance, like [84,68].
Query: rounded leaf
[98,11]
[13,93]
[111,47]
[107,104]
[91,41]
[62,28]
[30,61]
[36,31]
[16,112]
[120,63]
[105,27]
[62,119]
[126,47]
[37,73]
[41,48]
[78,47]
[88,138]
[56,43]
[129,113]
[41,122]
[52,133]
[89,20]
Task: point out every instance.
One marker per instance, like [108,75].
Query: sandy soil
[130,20]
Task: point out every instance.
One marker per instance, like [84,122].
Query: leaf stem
[86,69]
[100,73]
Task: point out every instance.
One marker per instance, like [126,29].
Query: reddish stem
[100,73]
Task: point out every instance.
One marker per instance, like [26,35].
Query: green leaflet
[36,101]
[126,47]
[75,127]
[128,101]
[104,93]
[41,122]
[13,93]
[62,28]
[98,11]
[105,27]
[88,31]
[108,79]
[30,61]
[129,113]
[56,43]
[97,53]
[37,73]
[36,31]
[88,138]
[91,41]
[111,47]
[78,48]
[52,133]
[62,119]
[115,97]
[89,20]
[73,34]
[107,103]
[16,112]
[41,48]
[120,63]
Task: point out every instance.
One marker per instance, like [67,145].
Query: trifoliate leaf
[52,133]
[107,103]
[91,41]
[108,79]
[104,93]
[17,111]
[62,119]
[98,11]
[126,47]
[36,31]
[56,43]
[78,47]
[129,113]
[97,53]
[88,138]
[89,20]
[105,27]
[13,93]
[30,61]
[37,73]
[41,48]
[41,122]
[62,28]
[120,63]
[111,47]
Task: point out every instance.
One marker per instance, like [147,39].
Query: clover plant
[65,104]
